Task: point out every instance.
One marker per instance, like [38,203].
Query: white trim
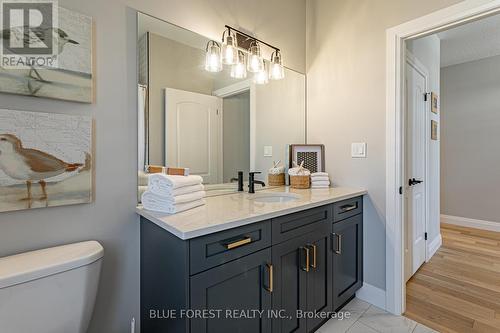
[443,19]
[233,89]
[433,246]
[471,223]
[372,295]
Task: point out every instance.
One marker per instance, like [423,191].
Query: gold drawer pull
[271,278]
[348,208]
[313,247]
[238,243]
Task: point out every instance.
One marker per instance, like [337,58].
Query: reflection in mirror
[211,123]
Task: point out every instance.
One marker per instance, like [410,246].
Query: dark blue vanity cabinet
[254,278]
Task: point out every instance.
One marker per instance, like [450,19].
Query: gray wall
[346,43]
[171,65]
[111,219]
[236,135]
[470,132]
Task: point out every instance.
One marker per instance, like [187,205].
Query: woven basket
[300,181]
[276,180]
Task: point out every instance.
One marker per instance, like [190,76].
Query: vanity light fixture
[261,77]
[276,72]
[243,58]
[239,69]
[229,47]
[213,60]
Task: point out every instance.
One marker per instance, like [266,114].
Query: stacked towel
[320,180]
[173,194]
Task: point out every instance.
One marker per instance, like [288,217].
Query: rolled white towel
[162,184]
[321,183]
[319,174]
[320,179]
[159,203]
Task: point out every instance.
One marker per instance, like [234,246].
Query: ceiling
[472,41]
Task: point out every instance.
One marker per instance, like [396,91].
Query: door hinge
[401,190]
[425,236]
[426,96]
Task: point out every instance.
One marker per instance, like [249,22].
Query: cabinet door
[289,295]
[239,285]
[319,277]
[347,259]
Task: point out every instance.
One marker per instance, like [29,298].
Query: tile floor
[367,318]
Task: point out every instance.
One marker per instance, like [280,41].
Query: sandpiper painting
[72,78]
[45,160]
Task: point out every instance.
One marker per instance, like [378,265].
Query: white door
[193,133]
[415,168]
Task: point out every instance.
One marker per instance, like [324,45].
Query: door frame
[461,13]
[238,88]
[413,61]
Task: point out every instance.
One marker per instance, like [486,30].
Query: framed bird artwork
[45,160]
[71,75]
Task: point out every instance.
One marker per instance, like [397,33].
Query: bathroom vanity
[266,260]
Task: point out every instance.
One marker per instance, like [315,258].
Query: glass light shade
[262,76]
[276,71]
[213,60]
[255,61]
[229,51]
[239,69]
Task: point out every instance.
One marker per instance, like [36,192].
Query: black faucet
[252,182]
[239,180]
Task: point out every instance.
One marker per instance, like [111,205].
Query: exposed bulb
[239,69]
[229,50]
[255,61]
[276,71]
[213,61]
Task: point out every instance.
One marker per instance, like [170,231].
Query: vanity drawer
[296,224]
[212,250]
[347,208]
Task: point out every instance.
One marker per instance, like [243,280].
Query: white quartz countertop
[234,210]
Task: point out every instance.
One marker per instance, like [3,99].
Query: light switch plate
[358,149]
[268,151]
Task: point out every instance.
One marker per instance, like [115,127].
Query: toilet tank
[51,290]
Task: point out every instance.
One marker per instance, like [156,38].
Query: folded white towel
[159,203]
[162,184]
[319,174]
[313,186]
[174,200]
[321,183]
[320,179]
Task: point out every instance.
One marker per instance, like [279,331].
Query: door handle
[306,253]
[414,181]
[271,278]
[313,249]
[338,247]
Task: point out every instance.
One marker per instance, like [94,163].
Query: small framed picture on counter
[313,156]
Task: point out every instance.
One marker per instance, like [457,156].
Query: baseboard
[471,223]
[433,246]
[372,295]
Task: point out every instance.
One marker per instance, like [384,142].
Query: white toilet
[51,290]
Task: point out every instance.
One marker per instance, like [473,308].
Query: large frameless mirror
[214,123]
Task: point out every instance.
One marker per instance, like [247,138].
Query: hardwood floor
[459,289]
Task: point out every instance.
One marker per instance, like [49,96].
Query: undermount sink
[275,197]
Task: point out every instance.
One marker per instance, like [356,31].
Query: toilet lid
[33,265]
